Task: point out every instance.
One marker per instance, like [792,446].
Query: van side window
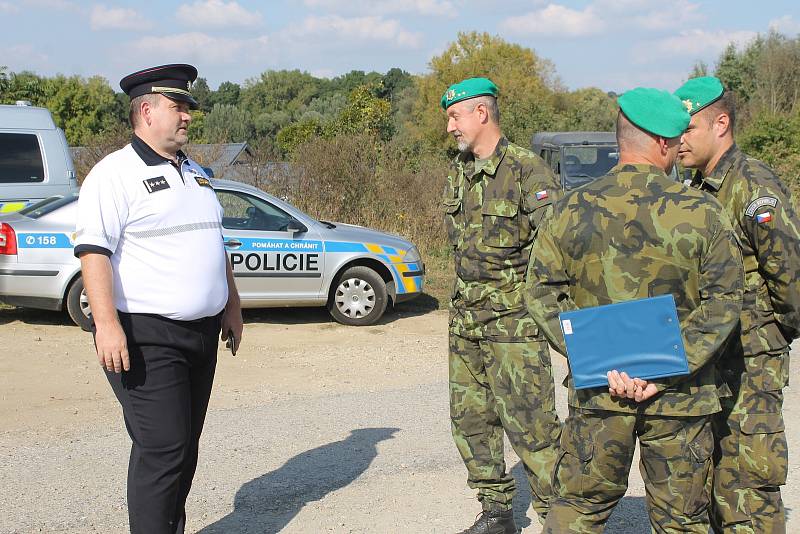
[20,159]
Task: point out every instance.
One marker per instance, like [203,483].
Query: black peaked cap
[173,81]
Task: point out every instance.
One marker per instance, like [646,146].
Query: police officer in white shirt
[161,290]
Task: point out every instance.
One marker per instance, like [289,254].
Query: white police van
[35,162]
[280,257]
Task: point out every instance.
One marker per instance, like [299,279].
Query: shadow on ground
[419,306]
[629,517]
[522,499]
[9,314]
[268,503]
[319,315]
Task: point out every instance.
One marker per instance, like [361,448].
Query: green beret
[469,88]
[699,93]
[653,110]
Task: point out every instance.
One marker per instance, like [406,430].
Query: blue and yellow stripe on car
[11,207]
[409,275]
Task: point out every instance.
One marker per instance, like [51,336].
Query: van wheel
[78,305]
[359,297]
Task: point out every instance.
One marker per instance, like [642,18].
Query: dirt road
[313,427]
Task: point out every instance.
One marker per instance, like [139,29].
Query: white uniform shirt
[161,228]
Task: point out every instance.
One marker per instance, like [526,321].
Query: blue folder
[640,337]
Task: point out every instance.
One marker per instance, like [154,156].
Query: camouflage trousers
[751,459]
[591,475]
[496,386]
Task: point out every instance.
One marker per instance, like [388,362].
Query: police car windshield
[48,205]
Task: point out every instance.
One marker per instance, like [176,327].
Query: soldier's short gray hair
[630,136]
[491,106]
[136,106]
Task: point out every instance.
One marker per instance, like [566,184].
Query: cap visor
[182,98]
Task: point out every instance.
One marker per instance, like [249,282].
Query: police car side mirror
[296,226]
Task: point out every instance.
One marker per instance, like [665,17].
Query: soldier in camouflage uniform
[632,234]
[751,459]
[500,377]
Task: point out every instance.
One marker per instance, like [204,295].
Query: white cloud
[115,18]
[8,7]
[218,14]
[51,4]
[699,42]
[337,29]
[678,14]
[786,25]
[23,57]
[193,47]
[386,7]
[603,16]
[556,20]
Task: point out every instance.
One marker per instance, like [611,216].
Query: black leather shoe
[493,522]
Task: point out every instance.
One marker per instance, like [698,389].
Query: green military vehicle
[577,158]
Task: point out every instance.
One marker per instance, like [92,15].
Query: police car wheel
[78,305]
[359,297]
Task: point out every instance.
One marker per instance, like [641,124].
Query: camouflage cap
[655,111]
[699,93]
[469,88]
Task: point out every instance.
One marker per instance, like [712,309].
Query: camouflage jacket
[632,234]
[764,220]
[491,215]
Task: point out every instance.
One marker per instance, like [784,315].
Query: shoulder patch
[760,203]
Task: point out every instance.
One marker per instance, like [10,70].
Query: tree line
[371,148]
[278,111]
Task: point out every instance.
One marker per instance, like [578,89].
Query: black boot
[493,522]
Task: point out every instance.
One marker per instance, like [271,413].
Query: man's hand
[621,385]
[232,321]
[232,316]
[112,348]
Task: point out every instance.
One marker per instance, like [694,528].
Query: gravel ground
[314,427]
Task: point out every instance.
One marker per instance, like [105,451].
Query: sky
[610,44]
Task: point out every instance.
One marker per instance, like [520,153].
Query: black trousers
[164,398]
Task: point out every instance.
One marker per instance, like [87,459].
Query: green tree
[197,127]
[227,93]
[202,93]
[24,85]
[699,70]
[286,90]
[346,83]
[364,113]
[82,108]
[296,134]
[527,84]
[227,124]
[3,79]
[269,123]
[586,109]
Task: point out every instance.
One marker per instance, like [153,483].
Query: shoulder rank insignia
[760,203]
[202,181]
[156,184]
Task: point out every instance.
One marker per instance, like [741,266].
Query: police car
[280,257]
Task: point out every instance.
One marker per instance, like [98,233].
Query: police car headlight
[412,255]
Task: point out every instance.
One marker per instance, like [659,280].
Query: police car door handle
[232,243]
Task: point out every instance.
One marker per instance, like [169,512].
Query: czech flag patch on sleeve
[763,217]
[542,195]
